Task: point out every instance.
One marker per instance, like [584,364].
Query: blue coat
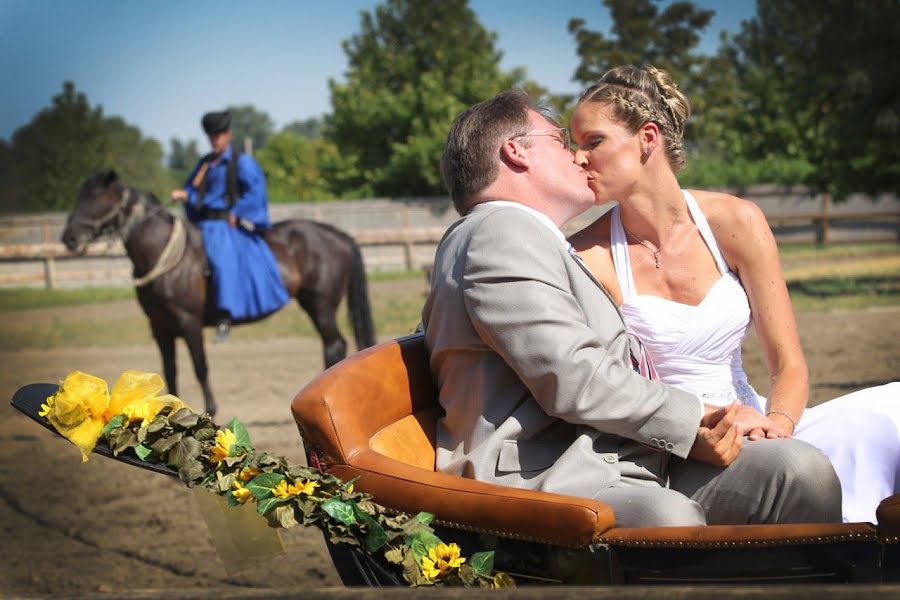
[245,275]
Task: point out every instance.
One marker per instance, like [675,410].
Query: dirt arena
[103,526]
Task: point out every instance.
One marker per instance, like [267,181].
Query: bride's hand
[755,425]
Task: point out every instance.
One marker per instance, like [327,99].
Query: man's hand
[179,196]
[718,439]
[756,426]
[232,220]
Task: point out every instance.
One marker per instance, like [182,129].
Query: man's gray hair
[470,160]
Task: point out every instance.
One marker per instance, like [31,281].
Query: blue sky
[161,64]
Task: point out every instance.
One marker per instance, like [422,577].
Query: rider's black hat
[216,122]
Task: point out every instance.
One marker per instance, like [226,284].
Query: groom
[535,368]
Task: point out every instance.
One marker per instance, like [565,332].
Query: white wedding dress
[698,348]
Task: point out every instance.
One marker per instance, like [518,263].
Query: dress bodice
[696,348]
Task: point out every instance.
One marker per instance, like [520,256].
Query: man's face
[220,141]
[564,181]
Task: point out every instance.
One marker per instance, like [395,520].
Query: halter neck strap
[705,231]
[621,261]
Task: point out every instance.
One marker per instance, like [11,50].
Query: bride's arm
[749,247]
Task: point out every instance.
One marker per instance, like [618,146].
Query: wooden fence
[415,242]
[49,253]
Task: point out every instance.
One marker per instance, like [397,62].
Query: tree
[52,154]
[641,35]
[309,128]
[182,158]
[414,65]
[667,39]
[182,155]
[249,122]
[293,165]
[817,82]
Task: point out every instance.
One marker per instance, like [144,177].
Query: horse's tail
[358,302]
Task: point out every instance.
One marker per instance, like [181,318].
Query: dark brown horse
[318,264]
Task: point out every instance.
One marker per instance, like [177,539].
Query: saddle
[373,416]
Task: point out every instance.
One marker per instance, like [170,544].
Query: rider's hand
[179,195]
[232,220]
[756,426]
[718,440]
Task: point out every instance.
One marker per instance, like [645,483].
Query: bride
[691,271]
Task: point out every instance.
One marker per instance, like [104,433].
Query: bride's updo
[641,95]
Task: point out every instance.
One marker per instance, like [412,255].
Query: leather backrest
[409,440]
[382,398]
[373,416]
[888,516]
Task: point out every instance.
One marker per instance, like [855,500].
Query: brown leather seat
[373,416]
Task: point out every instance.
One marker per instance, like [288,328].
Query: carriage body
[373,416]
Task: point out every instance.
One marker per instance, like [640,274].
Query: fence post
[407,242]
[823,223]
[49,263]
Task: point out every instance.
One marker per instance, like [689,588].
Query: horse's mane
[151,198]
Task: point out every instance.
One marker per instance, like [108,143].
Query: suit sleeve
[519,299]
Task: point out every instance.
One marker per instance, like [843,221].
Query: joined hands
[722,430]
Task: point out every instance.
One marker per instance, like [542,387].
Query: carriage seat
[374,414]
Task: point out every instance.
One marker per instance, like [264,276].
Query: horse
[318,264]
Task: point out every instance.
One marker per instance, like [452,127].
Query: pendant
[656,257]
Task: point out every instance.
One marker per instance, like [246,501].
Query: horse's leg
[324,316]
[193,335]
[165,339]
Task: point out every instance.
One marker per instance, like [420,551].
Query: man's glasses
[560,134]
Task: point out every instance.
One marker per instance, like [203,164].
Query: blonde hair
[639,96]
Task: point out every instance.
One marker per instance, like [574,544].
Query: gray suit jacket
[534,366]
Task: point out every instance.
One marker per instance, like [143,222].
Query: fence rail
[50,252]
[411,240]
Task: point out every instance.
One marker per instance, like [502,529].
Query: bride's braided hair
[638,96]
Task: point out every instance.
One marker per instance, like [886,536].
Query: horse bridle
[115,219]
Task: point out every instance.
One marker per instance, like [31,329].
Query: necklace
[654,251]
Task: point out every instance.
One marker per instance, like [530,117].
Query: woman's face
[609,153]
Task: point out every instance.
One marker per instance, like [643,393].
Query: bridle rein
[116,220]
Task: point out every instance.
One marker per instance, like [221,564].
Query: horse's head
[97,211]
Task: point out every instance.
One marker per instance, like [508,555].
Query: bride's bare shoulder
[727,212]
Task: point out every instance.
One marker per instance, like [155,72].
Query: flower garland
[163,430]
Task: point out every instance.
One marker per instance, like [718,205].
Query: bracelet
[786,416]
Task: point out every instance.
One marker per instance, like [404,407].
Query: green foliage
[717,172]
[249,122]
[816,83]
[242,443]
[803,94]
[412,68]
[296,167]
[182,158]
[309,128]
[348,517]
[51,155]
[643,34]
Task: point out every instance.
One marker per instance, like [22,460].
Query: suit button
[670,446]
[654,441]
[609,458]
[661,443]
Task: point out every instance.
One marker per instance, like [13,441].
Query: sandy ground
[69,527]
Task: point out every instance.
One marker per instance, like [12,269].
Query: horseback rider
[225,197]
